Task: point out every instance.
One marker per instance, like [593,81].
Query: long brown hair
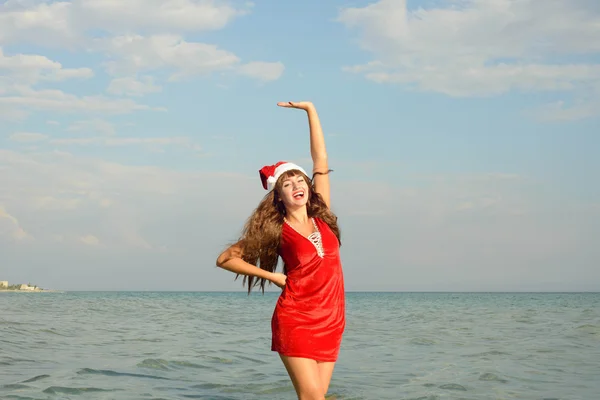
[262,232]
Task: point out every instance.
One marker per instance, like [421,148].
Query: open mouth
[298,195]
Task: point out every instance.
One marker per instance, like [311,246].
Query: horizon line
[347,291]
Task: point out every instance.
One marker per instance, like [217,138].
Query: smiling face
[293,190]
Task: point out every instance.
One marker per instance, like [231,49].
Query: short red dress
[309,318]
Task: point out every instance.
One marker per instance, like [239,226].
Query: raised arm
[318,151]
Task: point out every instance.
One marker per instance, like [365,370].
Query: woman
[294,221]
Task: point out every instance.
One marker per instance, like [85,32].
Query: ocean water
[159,345]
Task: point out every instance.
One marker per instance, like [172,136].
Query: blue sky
[463,134]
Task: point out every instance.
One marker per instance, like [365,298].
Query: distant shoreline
[29,291]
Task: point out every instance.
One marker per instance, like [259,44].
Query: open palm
[301,105]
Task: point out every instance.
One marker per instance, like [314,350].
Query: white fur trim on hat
[270,173]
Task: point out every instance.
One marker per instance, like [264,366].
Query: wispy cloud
[57,100]
[93,126]
[128,141]
[132,86]
[11,228]
[435,228]
[265,71]
[68,23]
[27,137]
[90,240]
[30,69]
[485,48]
[142,43]
[60,195]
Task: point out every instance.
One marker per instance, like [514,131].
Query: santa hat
[270,173]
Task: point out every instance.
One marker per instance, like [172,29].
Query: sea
[209,345]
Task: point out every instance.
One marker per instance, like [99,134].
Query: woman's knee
[315,393]
[312,391]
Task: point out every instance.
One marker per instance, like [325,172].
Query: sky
[463,134]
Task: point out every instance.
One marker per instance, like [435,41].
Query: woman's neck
[299,216]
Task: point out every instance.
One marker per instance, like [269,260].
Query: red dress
[309,318]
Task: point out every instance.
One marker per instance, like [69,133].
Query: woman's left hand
[301,105]
[279,279]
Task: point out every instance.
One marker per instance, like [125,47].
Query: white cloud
[181,59]
[179,15]
[90,240]
[37,22]
[57,100]
[10,227]
[67,23]
[492,80]
[135,53]
[265,71]
[27,137]
[133,36]
[562,111]
[30,69]
[55,203]
[65,196]
[482,48]
[131,86]
[93,126]
[155,140]
[136,35]
[63,74]
[11,113]
[479,232]
[466,232]
[21,72]
[125,141]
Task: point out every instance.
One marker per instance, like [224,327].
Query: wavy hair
[261,234]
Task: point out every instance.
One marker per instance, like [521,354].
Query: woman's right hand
[301,105]
[279,279]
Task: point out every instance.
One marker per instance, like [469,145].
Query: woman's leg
[304,374]
[325,373]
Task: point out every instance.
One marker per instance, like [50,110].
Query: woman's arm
[231,260]
[318,151]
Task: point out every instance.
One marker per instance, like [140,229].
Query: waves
[217,346]
[111,381]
